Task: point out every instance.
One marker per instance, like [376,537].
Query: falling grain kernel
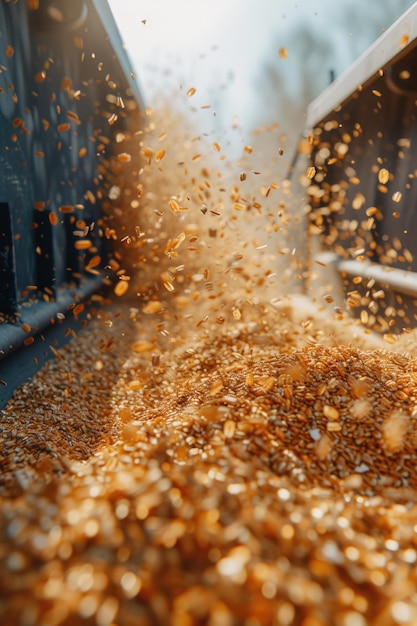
[159,155]
[124,157]
[53,218]
[173,244]
[66,208]
[404,40]
[191,91]
[311,172]
[143,346]
[376,93]
[40,77]
[26,328]
[125,414]
[66,83]
[379,295]
[55,14]
[383,176]
[216,387]
[242,176]
[394,431]
[17,121]
[397,196]
[323,447]
[174,205]
[248,149]
[62,128]
[360,409]
[229,429]
[9,50]
[82,152]
[147,153]
[83,244]
[112,119]
[135,385]
[182,301]
[216,146]
[74,117]
[250,379]
[121,287]
[94,261]
[330,412]
[404,142]
[196,157]
[79,308]
[56,353]
[154,306]
[39,154]
[283,53]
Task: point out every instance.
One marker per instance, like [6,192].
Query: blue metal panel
[63,73]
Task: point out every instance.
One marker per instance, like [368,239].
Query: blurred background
[254,64]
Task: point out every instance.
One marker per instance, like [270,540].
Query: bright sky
[202,43]
[219,46]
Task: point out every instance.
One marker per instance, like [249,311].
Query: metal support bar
[399,281]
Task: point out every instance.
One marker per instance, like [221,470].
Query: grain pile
[256,473]
[207,452]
